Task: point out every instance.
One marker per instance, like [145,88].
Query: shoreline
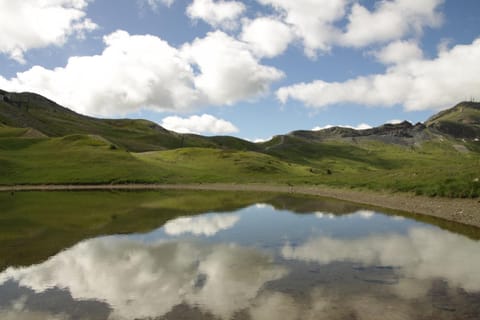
[465,211]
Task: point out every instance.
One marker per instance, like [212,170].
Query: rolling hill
[30,110]
[43,142]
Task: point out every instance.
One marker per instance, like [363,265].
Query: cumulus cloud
[143,71]
[29,24]
[132,72]
[399,52]
[198,124]
[216,13]
[311,21]
[417,84]
[267,36]
[220,279]
[206,226]
[423,254]
[391,20]
[319,24]
[228,70]
[361,126]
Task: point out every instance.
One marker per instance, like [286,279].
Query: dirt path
[466,211]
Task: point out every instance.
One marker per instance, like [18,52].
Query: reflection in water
[363,214]
[257,263]
[207,226]
[421,254]
[17,313]
[141,280]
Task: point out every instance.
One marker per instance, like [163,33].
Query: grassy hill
[29,110]
[42,142]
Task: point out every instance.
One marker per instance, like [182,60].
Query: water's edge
[464,211]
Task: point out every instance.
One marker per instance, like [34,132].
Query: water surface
[248,256]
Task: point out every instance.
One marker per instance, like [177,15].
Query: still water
[284,258]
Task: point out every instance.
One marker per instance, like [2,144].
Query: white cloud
[422,254]
[132,72]
[268,36]
[143,71]
[319,23]
[418,84]
[391,20]
[361,126]
[216,13]
[399,52]
[260,140]
[29,24]
[130,276]
[394,121]
[312,21]
[153,4]
[198,124]
[228,70]
[206,225]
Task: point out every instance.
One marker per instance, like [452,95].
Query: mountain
[45,117]
[30,110]
[461,121]
[43,142]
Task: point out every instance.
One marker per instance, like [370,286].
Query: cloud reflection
[205,225]
[422,254]
[140,280]
[363,214]
[17,311]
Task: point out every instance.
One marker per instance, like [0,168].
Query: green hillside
[34,111]
[41,142]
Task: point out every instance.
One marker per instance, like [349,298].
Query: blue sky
[252,68]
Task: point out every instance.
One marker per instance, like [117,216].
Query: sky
[251,69]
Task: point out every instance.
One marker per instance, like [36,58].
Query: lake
[224,255]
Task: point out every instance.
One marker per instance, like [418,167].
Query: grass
[199,165]
[85,150]
[434,168]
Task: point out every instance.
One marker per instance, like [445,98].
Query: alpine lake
[229,255]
